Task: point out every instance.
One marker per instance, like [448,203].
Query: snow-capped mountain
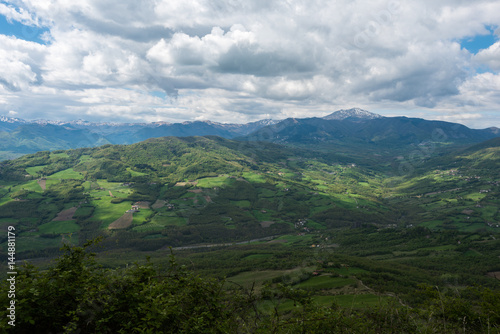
[352,114]
[347,128]
[20,136]
[6,119]
[356,129]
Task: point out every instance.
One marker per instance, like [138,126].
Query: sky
[236,61]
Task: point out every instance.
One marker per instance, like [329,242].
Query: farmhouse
[135,208]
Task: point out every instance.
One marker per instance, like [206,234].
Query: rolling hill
[227,190]
[224,191]
[290,232]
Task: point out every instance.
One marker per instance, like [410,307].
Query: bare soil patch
[277,241]
[189,183]
[42,184]
[66,214]
[159,204]
[196,191]
[208,199]
[494,274]
[143,205]
[265,224]
[122,222]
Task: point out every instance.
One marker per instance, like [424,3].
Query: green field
[253,177]
[67,174]
[34,170]
[258,256]
[242,204]
[219,181]
[29,185]
[165,220]
[148,227]
[140,216]
[295,239]
[349,271]
[39,243]
[135,173]
[325,282]
[58,227]
[258,278]
[108,212]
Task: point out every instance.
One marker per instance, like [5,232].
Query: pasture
[324,282]
[69,173]
[59,227]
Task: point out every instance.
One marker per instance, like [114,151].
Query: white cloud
[482,90]
[239,60]
[20,15]
[20,63]
[490,56]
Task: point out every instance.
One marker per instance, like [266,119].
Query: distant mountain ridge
[84,123]
[357,131]
[18,136]
[352,129]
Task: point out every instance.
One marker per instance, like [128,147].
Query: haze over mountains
[344,127]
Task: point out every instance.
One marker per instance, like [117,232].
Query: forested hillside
[190,190]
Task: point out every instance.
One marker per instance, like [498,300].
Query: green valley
[288,226]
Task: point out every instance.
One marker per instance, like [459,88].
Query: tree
[77,295]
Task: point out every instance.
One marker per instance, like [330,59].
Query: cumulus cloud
[20,63]
[481,91]
[19,15]
[490,57]
[238,61]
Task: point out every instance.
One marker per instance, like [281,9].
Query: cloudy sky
[244,60]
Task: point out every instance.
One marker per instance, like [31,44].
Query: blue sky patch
[479,42]
[21,31]
[159,94]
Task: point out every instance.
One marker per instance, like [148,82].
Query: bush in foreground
[76,295]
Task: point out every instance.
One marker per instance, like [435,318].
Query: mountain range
[353,211]
[346,129]
[383,132]
[20,137]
